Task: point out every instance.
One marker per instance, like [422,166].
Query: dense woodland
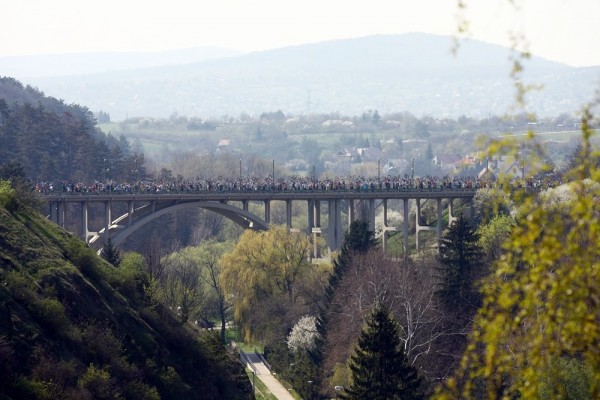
[507,305]
[54,141]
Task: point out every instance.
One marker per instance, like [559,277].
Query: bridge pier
[405,205]
[451,218]
[107,219]
[335,235]
[386,228]
[351,211]
[419,228]
[84,220]
[288,214]
[57,212]
[371,214]
[267,211]
[317,230]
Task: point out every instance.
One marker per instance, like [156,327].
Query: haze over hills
[390,73]
[49,65]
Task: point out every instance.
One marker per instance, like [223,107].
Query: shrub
[21,286]
[8,196]
[140,391]
[82,257]
[51,313]
[31,389]
[99,383]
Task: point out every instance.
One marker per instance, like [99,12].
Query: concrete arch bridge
[145,207]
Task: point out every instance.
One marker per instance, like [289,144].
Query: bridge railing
[261,191]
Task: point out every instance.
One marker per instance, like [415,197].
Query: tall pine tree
[460,266]
[380,369]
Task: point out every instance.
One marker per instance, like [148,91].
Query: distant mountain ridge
[390,73]
[36,66]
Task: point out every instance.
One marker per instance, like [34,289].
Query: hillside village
[370,144]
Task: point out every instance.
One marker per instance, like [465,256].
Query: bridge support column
[405,205]
[245,205]
[311,217]
[417,223]
[451,218]
[334,228]
[62,213]
[268,211]
[418,226]
[437,228]
[371,215]
[131,208]
[316,230]
[84,220]
[55,214]
[351,212]
[288,214]
[386,228]
[107,219]
[439,221]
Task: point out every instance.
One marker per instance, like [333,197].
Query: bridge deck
[266,195]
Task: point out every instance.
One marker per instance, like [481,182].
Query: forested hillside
[56,141]
[74,327]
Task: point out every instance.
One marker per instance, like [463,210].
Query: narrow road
[263,373]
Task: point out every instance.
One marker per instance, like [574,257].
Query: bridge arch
[146,213]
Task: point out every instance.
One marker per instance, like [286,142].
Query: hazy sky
[560,30]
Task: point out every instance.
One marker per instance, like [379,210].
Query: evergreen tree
[111,253]
[380,369]
[358,239]
[460,259]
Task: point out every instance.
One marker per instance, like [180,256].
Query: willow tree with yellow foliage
[542,303]
[271,282]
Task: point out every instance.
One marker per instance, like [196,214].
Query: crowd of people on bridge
[293,183]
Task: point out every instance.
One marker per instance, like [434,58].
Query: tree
[303,335]
[262,276]
[111,253]
[574,160]
[493,234]
[180,284]
[407,289]
[380,370]
[8,196]
[490,202]
[460,259]
[358,240]
[15,174]
[541,303]
[209,255]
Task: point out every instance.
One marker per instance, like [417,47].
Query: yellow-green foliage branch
[542,303]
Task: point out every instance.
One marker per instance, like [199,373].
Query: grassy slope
[72,326]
